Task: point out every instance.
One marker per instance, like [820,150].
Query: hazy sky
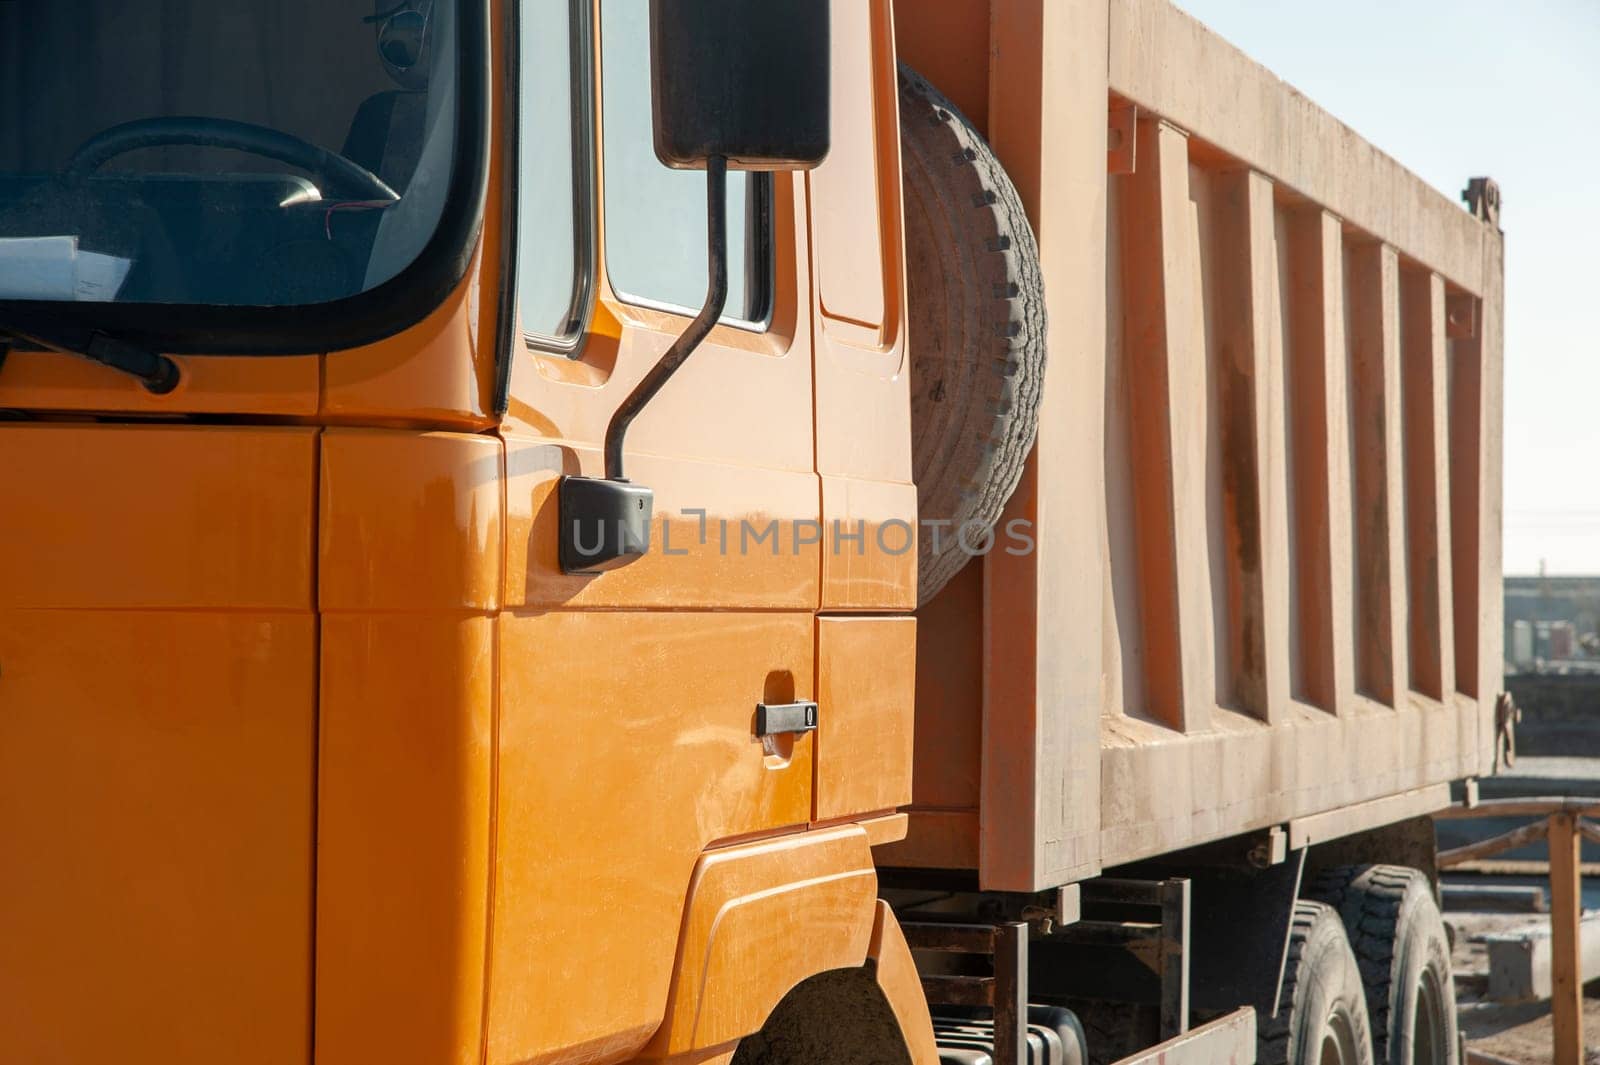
[1512,90]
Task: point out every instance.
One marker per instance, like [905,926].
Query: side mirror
[739,84]
[744,80]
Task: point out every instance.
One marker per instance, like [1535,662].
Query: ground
[1519,1034]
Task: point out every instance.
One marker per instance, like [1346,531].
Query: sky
[1464,88]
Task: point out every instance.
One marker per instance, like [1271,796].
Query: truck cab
[312,749]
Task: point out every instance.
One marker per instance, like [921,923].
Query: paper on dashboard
[53,268]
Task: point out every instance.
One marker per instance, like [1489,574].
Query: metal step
[1054,1038]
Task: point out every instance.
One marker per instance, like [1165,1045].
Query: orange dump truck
[701,531]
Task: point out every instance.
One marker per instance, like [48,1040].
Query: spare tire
[976,330]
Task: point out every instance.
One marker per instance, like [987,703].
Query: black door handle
[773,719]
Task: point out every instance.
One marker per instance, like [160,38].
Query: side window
[655,216]
[555,209]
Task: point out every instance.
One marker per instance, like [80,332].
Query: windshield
[259,153]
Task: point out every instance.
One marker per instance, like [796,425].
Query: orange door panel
[157,827]
[626,747]
[866,669]
[410,553]
[403,837]
[157,744]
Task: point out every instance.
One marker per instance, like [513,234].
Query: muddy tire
[1403,952]
[976,330]
[1322,1008]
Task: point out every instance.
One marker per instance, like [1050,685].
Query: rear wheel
[1404,957]
[1322,1008]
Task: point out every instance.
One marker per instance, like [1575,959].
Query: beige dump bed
[1267,484]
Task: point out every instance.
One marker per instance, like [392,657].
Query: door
[626,742]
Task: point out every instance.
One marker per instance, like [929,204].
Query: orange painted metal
[625,750]
[869,549]
[725,535]
[640,686]
[157,743]
[429,539]
[403,836]
[409,568]
[883,829]
[156,800]
[902,986]
[863,411]
[278,387]
[949,680]
[865,670]
[745,942]
[130,517]
[309,751]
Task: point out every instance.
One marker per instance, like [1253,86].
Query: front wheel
[1322,1009]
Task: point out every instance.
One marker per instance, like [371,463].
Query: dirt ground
[1520,1034]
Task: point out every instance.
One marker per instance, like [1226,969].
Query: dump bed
[1266,489]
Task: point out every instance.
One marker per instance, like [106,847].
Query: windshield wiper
[158,373]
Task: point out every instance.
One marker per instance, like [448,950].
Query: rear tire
[1404,955]
[1322,1008]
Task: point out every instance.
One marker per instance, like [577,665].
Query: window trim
[585,182]
[352,321]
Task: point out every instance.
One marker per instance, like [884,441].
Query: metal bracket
[1161,946]
[1005,992]
[1270,848]
[1482,197]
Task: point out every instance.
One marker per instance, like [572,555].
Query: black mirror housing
[744,80]
[601,524]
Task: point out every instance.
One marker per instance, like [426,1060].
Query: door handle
[773,719]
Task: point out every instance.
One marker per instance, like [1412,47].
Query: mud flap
[1238,931]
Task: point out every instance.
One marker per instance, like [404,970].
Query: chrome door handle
[774,719]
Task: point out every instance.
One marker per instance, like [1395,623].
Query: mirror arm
[699,329]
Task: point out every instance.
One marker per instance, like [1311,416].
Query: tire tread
[1370,900]
[987,442]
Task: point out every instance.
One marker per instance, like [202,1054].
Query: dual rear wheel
[1368,975]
